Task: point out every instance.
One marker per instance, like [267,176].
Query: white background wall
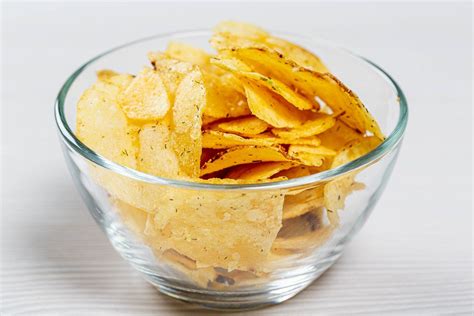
[413,256]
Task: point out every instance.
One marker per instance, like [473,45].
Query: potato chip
[258,171]
[272,108]
[172,71]
[187,53]
[242,70]
[305,242]
[102,126]
[303,202]
[302,224]
[250,125]
[295,172]
[146,97]
[156,155]
[223,97]
[220,140]
[240,29]
[312,84]
[186,138]
[294,150]
[229,34]
[235,230]
[243,155]
[317,124]
[298,54]
[338,135]
[338,189]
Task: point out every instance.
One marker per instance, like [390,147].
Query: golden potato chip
[223,97]
[298,54]
[336,191]
[338,135]
[229,34]
[186,138]
[310,141]
[250,125]
[187,53]
[295,172]
[258,171]
[308,159]
[102,126]
[278,87]
[316,150]
[146,97]
[243,155]
[272,108]
[315,125]
[312,84]
[218,139]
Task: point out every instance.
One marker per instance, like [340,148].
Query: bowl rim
[73,143]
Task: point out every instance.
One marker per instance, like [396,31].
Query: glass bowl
[241,246]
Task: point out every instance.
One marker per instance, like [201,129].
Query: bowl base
[240,300]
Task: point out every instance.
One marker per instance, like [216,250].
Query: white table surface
[414,255]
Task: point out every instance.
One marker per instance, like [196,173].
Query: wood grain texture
[414,256]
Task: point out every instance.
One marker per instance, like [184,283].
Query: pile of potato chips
[260,109]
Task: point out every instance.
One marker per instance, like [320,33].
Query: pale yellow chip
[156,155]
[258,171]
[146,97]
[312,84]
[186,123]
[250,125]
[102,126]
[310,141]
[187,53]
[243,155]
[272,108]
[315,125]
[278,87]
[336,191]
[306,201]
[172,71]
[219,228]
[308,159]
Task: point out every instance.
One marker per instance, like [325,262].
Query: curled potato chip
[272,108]
[186,138]
[244,126]
[319,150]
[219,140]
[243,155]
[312,84]
[295,172]
[258,171]
[336,191]
[229,34]
[240,69]
[313,126]
[308,159]
[146,97]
